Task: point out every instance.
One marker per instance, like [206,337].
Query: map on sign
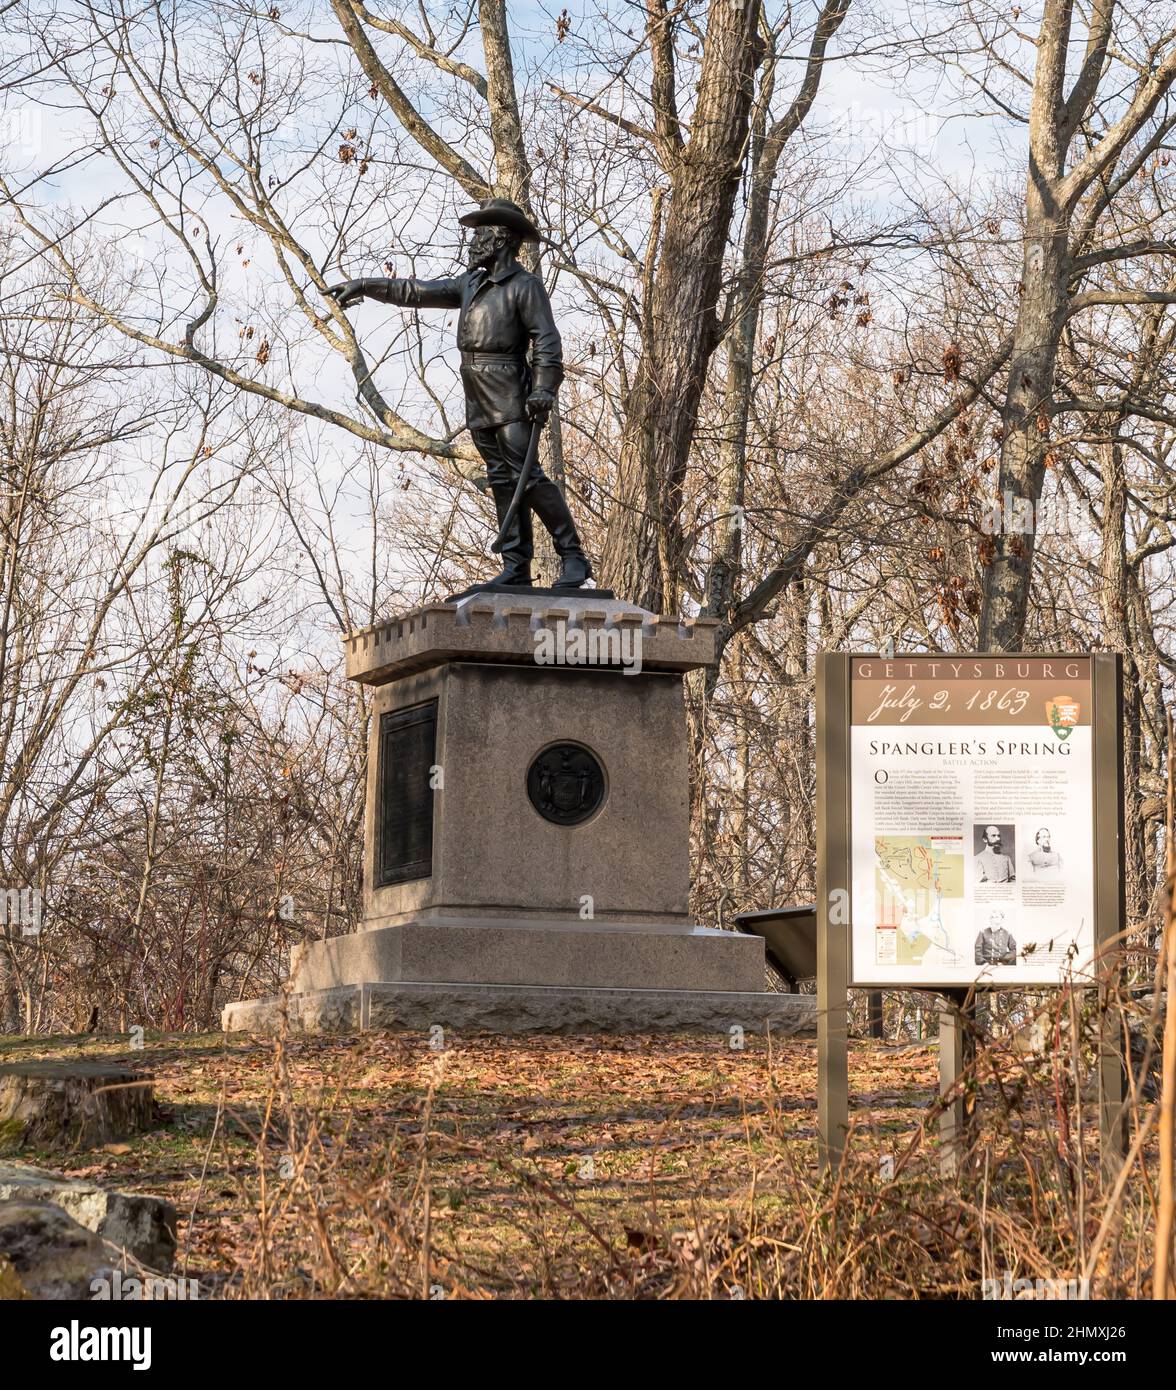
[919,888]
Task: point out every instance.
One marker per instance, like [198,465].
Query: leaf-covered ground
[590,1166]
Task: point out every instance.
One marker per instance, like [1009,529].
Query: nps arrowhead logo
[1062,713]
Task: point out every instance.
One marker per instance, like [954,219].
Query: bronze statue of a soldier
[504,311]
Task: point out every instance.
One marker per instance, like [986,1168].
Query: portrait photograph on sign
[967,776]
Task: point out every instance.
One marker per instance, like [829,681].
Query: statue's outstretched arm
[409,294]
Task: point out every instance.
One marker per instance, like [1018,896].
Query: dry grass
[625,1167]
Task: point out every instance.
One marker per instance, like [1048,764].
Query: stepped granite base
[418,1006]
[526,860]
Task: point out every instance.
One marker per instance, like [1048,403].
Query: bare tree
[75,649]
[1088,139]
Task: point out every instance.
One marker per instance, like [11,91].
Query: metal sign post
[957,1052]
[1110,917]
[833,861]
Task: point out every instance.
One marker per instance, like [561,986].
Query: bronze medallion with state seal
[566,784]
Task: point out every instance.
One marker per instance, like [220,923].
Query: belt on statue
[474,359]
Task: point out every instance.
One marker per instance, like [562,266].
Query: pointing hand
[346,294]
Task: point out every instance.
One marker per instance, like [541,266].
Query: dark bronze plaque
[408,740]
[566,784]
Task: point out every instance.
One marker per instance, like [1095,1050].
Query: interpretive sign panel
[972,825]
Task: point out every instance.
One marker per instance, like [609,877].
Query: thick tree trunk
[1026,420]
[645,547]
[746,300]
[1045,271]
[512,168]
[9,993]
[512,179]
[769,140]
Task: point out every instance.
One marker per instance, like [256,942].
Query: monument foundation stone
[526,856]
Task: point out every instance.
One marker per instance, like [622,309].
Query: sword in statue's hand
[539,404]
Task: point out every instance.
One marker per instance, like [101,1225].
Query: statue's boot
[548,504]
[518,545]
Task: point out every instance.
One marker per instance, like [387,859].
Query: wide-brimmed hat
[501,212]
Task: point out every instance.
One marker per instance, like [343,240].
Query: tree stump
[80,1104]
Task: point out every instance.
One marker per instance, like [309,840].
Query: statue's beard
[480,257]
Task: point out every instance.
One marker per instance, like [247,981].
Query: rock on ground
[145,1227]
[45,1253]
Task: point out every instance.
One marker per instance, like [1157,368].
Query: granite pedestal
[527,833]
